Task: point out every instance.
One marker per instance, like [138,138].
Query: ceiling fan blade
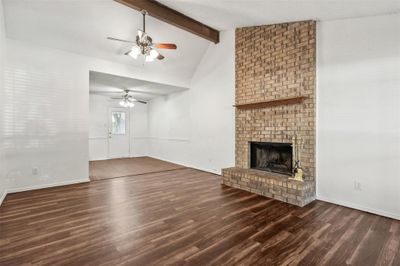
[119,40]
[160,57]
[101,92]
[139,101]
[165,45]
[131,99]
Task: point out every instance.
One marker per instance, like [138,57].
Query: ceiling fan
[127,100]
[144,44]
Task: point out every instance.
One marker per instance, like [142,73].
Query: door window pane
[118,123]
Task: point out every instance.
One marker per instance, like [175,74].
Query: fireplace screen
[272,157]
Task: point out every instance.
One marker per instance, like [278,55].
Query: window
[118,121]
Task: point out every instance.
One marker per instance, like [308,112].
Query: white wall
[358,106]
[170,127]
[358,123]
[2,55]
[46,113]
[98,127]
[196,128]
[139,130]
[99,106]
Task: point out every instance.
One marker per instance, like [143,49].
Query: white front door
[118,137]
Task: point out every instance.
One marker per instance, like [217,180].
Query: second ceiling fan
[127,100]
[144,44]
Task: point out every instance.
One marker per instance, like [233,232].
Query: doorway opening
[118,131]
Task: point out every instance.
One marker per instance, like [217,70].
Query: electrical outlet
[357,185]
[35,171]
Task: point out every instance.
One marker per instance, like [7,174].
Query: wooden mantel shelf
[276,102]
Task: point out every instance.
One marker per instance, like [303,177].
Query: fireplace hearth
[271,157]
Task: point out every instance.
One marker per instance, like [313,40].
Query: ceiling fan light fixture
[144,44]
[135,52]
[154,54]
[125,103]
[149,58]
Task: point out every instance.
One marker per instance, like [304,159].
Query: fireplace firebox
[271,157]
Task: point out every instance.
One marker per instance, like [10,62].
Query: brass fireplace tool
[298,144]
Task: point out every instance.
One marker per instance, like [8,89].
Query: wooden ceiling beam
[173,17]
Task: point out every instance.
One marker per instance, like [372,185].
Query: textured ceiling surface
[82,26]
[229,14]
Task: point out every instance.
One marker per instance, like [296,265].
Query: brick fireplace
[275,103]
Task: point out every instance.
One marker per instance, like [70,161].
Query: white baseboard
[98,159]
[360,207]
[58,184]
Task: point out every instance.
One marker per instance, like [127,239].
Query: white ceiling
[113,86]
[81,26]
[228,14]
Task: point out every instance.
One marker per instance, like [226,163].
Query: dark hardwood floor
[185,217]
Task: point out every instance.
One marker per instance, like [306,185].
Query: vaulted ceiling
[81,26]
[228,14]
